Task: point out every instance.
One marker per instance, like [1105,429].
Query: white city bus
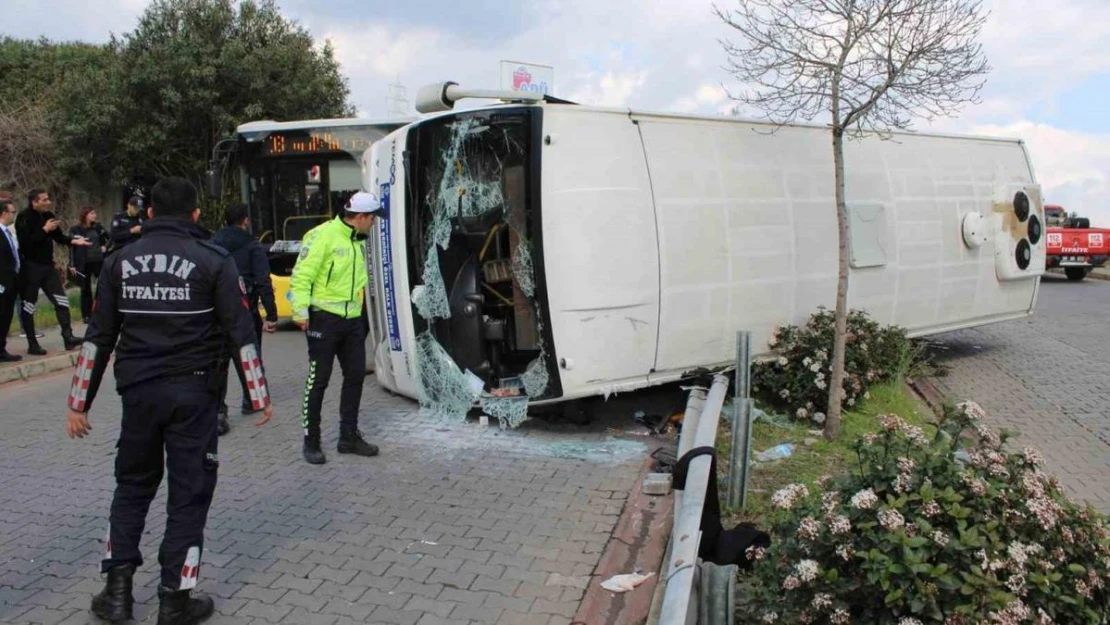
[540,251]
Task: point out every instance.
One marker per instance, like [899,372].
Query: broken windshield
[472,222]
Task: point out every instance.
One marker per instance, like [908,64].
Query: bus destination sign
[292,144]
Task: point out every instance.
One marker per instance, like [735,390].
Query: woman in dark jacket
[85,262]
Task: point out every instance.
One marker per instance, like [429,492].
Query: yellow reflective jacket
[330,273]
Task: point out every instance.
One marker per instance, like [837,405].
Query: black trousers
[7,311]
[331,337]
[233,355]
[35,277]
[176,415]
[91,272]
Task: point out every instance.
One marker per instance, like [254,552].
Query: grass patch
[44,313]
[821,457]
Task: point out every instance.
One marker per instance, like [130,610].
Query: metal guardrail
[699,429]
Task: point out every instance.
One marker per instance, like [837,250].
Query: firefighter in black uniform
[38,230]
[172,299]
[254,268]
[127,225]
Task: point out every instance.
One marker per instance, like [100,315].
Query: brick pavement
[1049,378]
[452,524]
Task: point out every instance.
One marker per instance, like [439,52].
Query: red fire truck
[1072,244]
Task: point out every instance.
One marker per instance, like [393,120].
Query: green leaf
[1077,569]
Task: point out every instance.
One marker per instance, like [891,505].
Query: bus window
[344,180]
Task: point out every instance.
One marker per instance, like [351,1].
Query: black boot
[312,452]
[177,607]
[351,442]
[115,602]
[34,349]
[71,341]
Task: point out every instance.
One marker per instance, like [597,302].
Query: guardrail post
[741,448]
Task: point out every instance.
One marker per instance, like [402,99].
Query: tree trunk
[836,381]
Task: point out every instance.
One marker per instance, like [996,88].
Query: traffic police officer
[172,300]
[328,285]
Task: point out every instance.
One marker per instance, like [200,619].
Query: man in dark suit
[9,273]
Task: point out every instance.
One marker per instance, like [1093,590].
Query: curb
[928,393]
[27,370]
[639,541]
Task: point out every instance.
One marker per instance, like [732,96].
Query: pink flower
[806,570]
[973,410]
[791,583]
[977,485]
[1046,511]
[809,529]
[931,509]
[785,498]
[840,525]
[822,601]
[891,519]
[865,499]
[1016,584]
[845,552]
[902,483]
[940,538]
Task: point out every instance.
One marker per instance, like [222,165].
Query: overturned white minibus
[538,251]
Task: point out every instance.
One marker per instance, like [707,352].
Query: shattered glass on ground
[510,411]
[445,391]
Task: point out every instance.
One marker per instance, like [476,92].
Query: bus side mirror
[213,182]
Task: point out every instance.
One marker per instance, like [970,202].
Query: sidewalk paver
[453,523]
[1047,377]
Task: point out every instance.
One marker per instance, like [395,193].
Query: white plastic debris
[625,582]
[657,484]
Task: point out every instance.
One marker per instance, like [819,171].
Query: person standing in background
[9,276]
[85,262]
[127,225]
[250,259]
[38,230]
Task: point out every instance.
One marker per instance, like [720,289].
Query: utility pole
[397,102]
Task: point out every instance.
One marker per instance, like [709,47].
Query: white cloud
[706,95]
[381,52]
[610,89]
[1073,168]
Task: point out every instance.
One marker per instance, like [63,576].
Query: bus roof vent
[439,97]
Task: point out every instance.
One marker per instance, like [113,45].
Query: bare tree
[871,65]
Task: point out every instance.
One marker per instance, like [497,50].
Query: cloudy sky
[1051,68]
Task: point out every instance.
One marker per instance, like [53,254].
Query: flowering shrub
[797,381]
[925,532]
